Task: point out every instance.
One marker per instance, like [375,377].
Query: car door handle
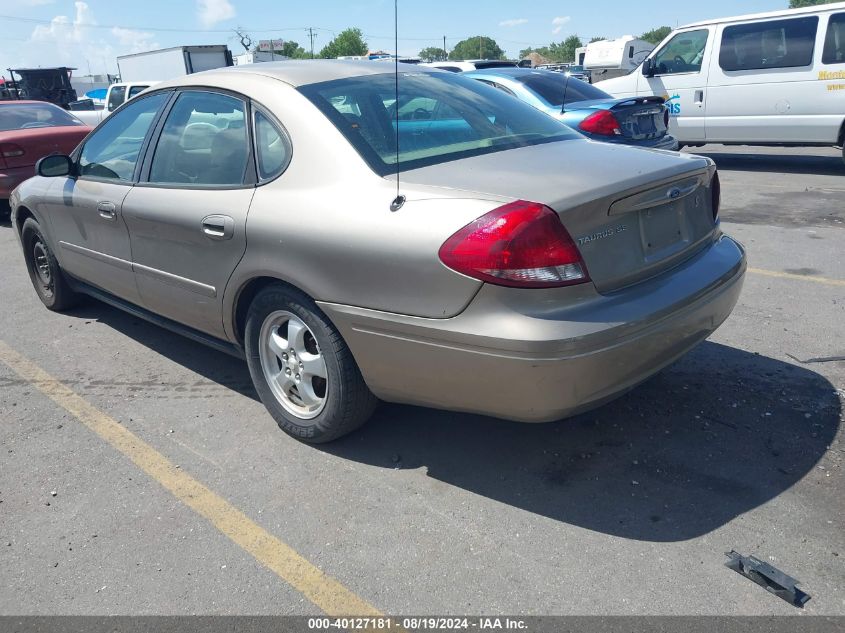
[699,97]
[218,227]
[106,210]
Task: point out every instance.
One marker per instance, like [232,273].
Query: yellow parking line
[324,591]
[819,280]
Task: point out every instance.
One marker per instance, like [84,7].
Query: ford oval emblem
[674,193]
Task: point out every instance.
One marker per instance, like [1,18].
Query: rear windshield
[442,117]
[22,116]
[550,87]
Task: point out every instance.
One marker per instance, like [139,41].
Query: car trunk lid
[632,213]
[639,118]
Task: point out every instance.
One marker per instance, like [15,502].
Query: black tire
[348,403]
[44,270]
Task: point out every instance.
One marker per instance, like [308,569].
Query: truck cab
[118,94]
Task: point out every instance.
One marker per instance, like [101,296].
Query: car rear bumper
[572,350]
[11,178]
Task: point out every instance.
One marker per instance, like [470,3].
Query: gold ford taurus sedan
[522,271]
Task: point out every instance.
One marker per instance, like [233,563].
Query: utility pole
[311,36]
[445,52]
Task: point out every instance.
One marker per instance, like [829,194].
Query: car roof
[782,13]
[507,71]
[27,102]
[301,72]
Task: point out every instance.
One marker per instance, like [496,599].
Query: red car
[30,130]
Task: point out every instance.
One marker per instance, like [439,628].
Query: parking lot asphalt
[105,456]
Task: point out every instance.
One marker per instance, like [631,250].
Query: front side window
[112,151]
[684,53]
[442,117]
[116,97]
[772,44]
[204,142]
[834,41]
[272,147]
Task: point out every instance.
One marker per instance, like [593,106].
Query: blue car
[639,121]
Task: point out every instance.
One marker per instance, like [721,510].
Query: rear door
[681,67]
[86,212]
[187,217]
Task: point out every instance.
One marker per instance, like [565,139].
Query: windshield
[22,116]
[442,117]
[550,87]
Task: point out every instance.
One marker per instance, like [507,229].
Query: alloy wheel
[293,365]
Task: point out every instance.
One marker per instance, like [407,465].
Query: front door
[187,218]
[86,211]
[680,76]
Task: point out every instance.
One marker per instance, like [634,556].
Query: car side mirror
[54,166]
[648,67]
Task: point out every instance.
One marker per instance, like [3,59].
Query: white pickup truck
[117,95]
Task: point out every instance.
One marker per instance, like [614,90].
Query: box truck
[169,63]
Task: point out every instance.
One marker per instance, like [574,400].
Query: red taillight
[10,150]
[716,193]
[602,122]
[522,244]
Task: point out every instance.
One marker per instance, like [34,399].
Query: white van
[767,79]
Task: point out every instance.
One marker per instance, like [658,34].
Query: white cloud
[134,41]
[210,12]
[559,23]
[77,42]
[514,22]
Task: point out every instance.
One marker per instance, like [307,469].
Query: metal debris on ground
[771,579]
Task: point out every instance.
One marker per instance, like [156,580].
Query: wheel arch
[21,214]
[244,296]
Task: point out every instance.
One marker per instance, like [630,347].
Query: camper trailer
[607,59]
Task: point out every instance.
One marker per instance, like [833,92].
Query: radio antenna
[565,88]
[399,201]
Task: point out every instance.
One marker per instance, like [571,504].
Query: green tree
[565,51]
[597,39]
[433,54]
[556,51]
[655,36]
[797,4]
[478,47]
[347,43]
[293,50]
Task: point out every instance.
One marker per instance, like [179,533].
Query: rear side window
[834,42]
[272,147]
[203,142]
[773,44]
[116,97]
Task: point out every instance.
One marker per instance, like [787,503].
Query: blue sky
[94,32]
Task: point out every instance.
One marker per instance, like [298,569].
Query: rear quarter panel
[325,225]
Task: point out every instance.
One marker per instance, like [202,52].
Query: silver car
[522,271]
